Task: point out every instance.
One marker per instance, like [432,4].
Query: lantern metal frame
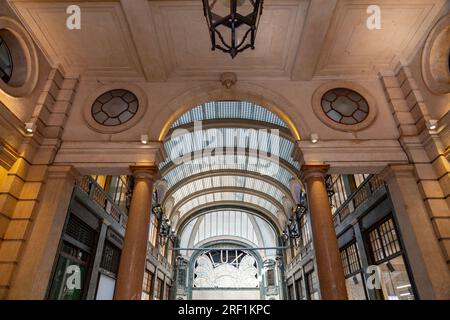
[233,21]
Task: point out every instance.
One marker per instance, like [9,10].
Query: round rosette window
[345,106]
[115,107]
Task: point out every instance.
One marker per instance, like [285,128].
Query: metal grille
[75,252]
[80,231]
[111,258]
[181,277]
[270,277]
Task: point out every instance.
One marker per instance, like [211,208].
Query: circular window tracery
[345,106]
[115,107]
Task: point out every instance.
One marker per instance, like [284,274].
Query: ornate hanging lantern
[235,21]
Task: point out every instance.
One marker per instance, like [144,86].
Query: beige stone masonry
[425,149]
[24,184]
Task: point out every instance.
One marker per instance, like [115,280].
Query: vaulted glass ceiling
[228,225]
[265,142]
[228,197]
[227,182]
[250,164]
[218,110]
[227,162]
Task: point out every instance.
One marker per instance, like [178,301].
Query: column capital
[145,171]
[396,170]
[59,171]
[313,170]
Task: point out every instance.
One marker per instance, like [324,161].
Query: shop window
[167,295]
[384,241]
[80,231]
[300,290]
[73,262]
[395,282]
[159,289]
[147,285]
[353,272]
[110,258]
[291,293]
[386,252]
[336,191]
[312,286]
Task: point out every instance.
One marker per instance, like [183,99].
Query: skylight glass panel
[228,196]
[225,224]
[264,143]
[229,110]
[228,181]
[228,162]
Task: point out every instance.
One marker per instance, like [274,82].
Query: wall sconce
[314,138]
[432,124]
[144,138]
[30,127]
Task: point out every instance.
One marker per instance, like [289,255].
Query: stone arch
[241,92]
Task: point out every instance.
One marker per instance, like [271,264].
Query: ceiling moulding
[109,157]
[351,49]
[349,156]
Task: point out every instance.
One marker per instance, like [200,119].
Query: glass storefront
[387,254]
[353,272]
[70,274]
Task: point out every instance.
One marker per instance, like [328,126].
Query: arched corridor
[306,161]
[224,189]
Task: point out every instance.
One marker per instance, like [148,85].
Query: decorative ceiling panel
[351,48]
[102,46]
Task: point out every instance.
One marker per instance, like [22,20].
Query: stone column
[426,259]
[134,252]
[34,269]
[329,265]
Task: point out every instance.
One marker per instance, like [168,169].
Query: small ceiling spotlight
[30,127]
[144,138]
[432,124]
[314,138]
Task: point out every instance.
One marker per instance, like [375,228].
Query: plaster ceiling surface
[168,39]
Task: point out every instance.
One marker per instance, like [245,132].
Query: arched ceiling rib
[241,162]
[210,196]
[226,223]
[217,140]
[229,205]
[229,182]
[244,178]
